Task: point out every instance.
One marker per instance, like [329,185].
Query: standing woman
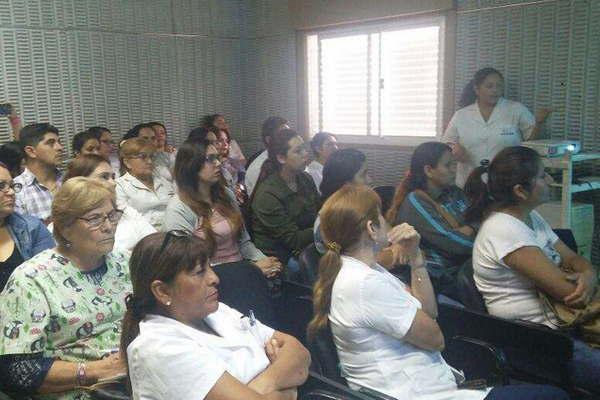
[138,187]
[323,144]
[205,207]
[285,202]
[487,122]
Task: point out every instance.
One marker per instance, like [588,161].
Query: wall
[77,63]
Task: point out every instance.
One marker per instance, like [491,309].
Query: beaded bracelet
[81,375]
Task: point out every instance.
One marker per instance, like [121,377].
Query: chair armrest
[318,387]
[374,394]
[478,359]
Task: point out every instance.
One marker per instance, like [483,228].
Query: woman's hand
[459,152]
[272,348]
[112,366]
[405,241]
[542,114]
[270,266]
[584,291]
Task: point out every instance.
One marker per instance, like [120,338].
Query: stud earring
[68,245]
[168,303]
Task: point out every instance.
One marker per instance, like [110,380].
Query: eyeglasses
[176,233]
[213,158]
[143,156]
[16,187]
[97,221]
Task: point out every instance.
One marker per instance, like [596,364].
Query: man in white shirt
[269,127]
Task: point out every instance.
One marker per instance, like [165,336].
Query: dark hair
[278,146]
[80,139]
[156,123]
[515,165]
[209,120]
[150,262]
[199,135]
[11,155]
[98,131]
[428,153]
[135,131]
[270,126]
[83,165]
[339,170]
[33,134]
[468,95]
[316,143]
[190,159]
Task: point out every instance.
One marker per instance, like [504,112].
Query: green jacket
[282,220]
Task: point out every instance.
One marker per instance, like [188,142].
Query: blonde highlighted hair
[132,147]
[344,218]
[75,198]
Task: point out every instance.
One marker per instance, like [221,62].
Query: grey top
[179,215]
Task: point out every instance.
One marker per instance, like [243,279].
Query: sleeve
[504,236]
[526,121]
[432,227]
[122,198]
[385,307]
[247,248]
[178,216]
[176,368]
[24,374]
[41,238]
[552,236]
[235,151]
[450,135]
[270,213]
[252,175]
[24,314]
[20,206]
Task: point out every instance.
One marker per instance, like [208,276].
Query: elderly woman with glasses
[21,236]
[61,311]
[139,187]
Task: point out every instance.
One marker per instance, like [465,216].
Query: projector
[554,148]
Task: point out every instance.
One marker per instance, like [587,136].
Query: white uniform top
[315,170]
[507,293]
[132,228]
[371,311]
[509,124]
[150,204]
[171,360]
[253,171]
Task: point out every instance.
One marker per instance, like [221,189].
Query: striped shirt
[34,198]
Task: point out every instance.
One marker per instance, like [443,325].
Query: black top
[8,266]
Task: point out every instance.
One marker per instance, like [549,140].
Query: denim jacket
[29,234]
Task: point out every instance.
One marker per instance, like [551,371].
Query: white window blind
[382,81]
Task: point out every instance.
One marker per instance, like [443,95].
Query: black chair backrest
[309,264]
[540,345]
[566,235]
[322,349]
[386,194]
[467,290]
[295,309]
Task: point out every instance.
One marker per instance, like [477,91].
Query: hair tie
[133,305]
[333,246]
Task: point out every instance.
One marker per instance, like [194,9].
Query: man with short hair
[43,152]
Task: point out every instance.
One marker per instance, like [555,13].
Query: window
[380,81]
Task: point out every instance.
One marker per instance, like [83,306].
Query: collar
[136,183]
[29,179]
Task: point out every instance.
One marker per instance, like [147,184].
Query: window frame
[447,24]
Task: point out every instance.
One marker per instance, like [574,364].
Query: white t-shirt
[171,360]
[253,171]
[371,311]
[315,170]
[509,124]
[508,293]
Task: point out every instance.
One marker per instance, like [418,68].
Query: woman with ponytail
[516,253]
[181,343]
[285,201]
[385,333]
[428,199]
[486,122]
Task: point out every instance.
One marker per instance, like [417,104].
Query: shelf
[586,184]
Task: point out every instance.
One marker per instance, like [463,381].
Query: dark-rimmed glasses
[97,221]
[16,187]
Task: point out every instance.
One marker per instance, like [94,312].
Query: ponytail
[329,268]
[478,194]
[403,189]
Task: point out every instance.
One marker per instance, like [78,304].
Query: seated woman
[132,227]
[343,166]
[107,149]
[139,187]
[385,333]
[85,143]
[285,202]
[162,165]
[323,144]
[235,152]
[13,156]
[61,310]
[429,200]
[21,236]
[205,207]
[182,343]
[516,253]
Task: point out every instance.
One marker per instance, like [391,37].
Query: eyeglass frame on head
[103,218]
[173,233]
